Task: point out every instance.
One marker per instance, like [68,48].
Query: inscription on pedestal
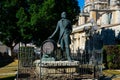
[57,67]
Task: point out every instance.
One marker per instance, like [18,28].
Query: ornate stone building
[105,15]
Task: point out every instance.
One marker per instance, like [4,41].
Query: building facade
[105,15]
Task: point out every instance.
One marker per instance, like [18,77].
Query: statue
[65,28]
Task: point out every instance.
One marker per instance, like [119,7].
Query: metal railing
[89,66]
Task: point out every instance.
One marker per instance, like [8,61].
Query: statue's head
[63,15]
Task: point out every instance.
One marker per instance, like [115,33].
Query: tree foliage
[32,20]
[8,28]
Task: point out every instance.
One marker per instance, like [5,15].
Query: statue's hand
[49,37]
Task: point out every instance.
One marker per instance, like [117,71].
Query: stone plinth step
[59,63]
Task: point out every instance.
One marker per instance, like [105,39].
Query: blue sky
[81,3]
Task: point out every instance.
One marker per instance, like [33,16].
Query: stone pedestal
[57,67]
[46,57]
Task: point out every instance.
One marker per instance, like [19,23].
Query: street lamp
[90,31]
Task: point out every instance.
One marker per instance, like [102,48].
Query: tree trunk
[13,54]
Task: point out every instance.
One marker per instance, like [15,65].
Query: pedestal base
[46,57]
[57,67]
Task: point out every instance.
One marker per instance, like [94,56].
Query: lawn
[8,72]
[114,74]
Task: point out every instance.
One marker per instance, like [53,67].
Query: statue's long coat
[65,28]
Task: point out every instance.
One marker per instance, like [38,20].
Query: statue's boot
[62,55]
[68,54]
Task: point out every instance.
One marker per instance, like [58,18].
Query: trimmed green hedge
[111,56]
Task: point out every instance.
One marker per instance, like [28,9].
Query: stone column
[81,20]
[117,16]
[112,2]
[105,19]
[93,14]
[82,40]
[113,18]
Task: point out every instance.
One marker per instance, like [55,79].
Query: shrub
[111,56]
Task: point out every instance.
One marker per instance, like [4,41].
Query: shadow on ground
[107,78]
[8,78]
[5,59]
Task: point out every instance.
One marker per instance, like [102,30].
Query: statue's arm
[57,28]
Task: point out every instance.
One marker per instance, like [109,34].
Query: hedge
[111,56]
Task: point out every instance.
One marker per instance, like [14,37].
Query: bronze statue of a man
[65,28]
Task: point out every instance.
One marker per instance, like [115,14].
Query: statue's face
[63,15]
